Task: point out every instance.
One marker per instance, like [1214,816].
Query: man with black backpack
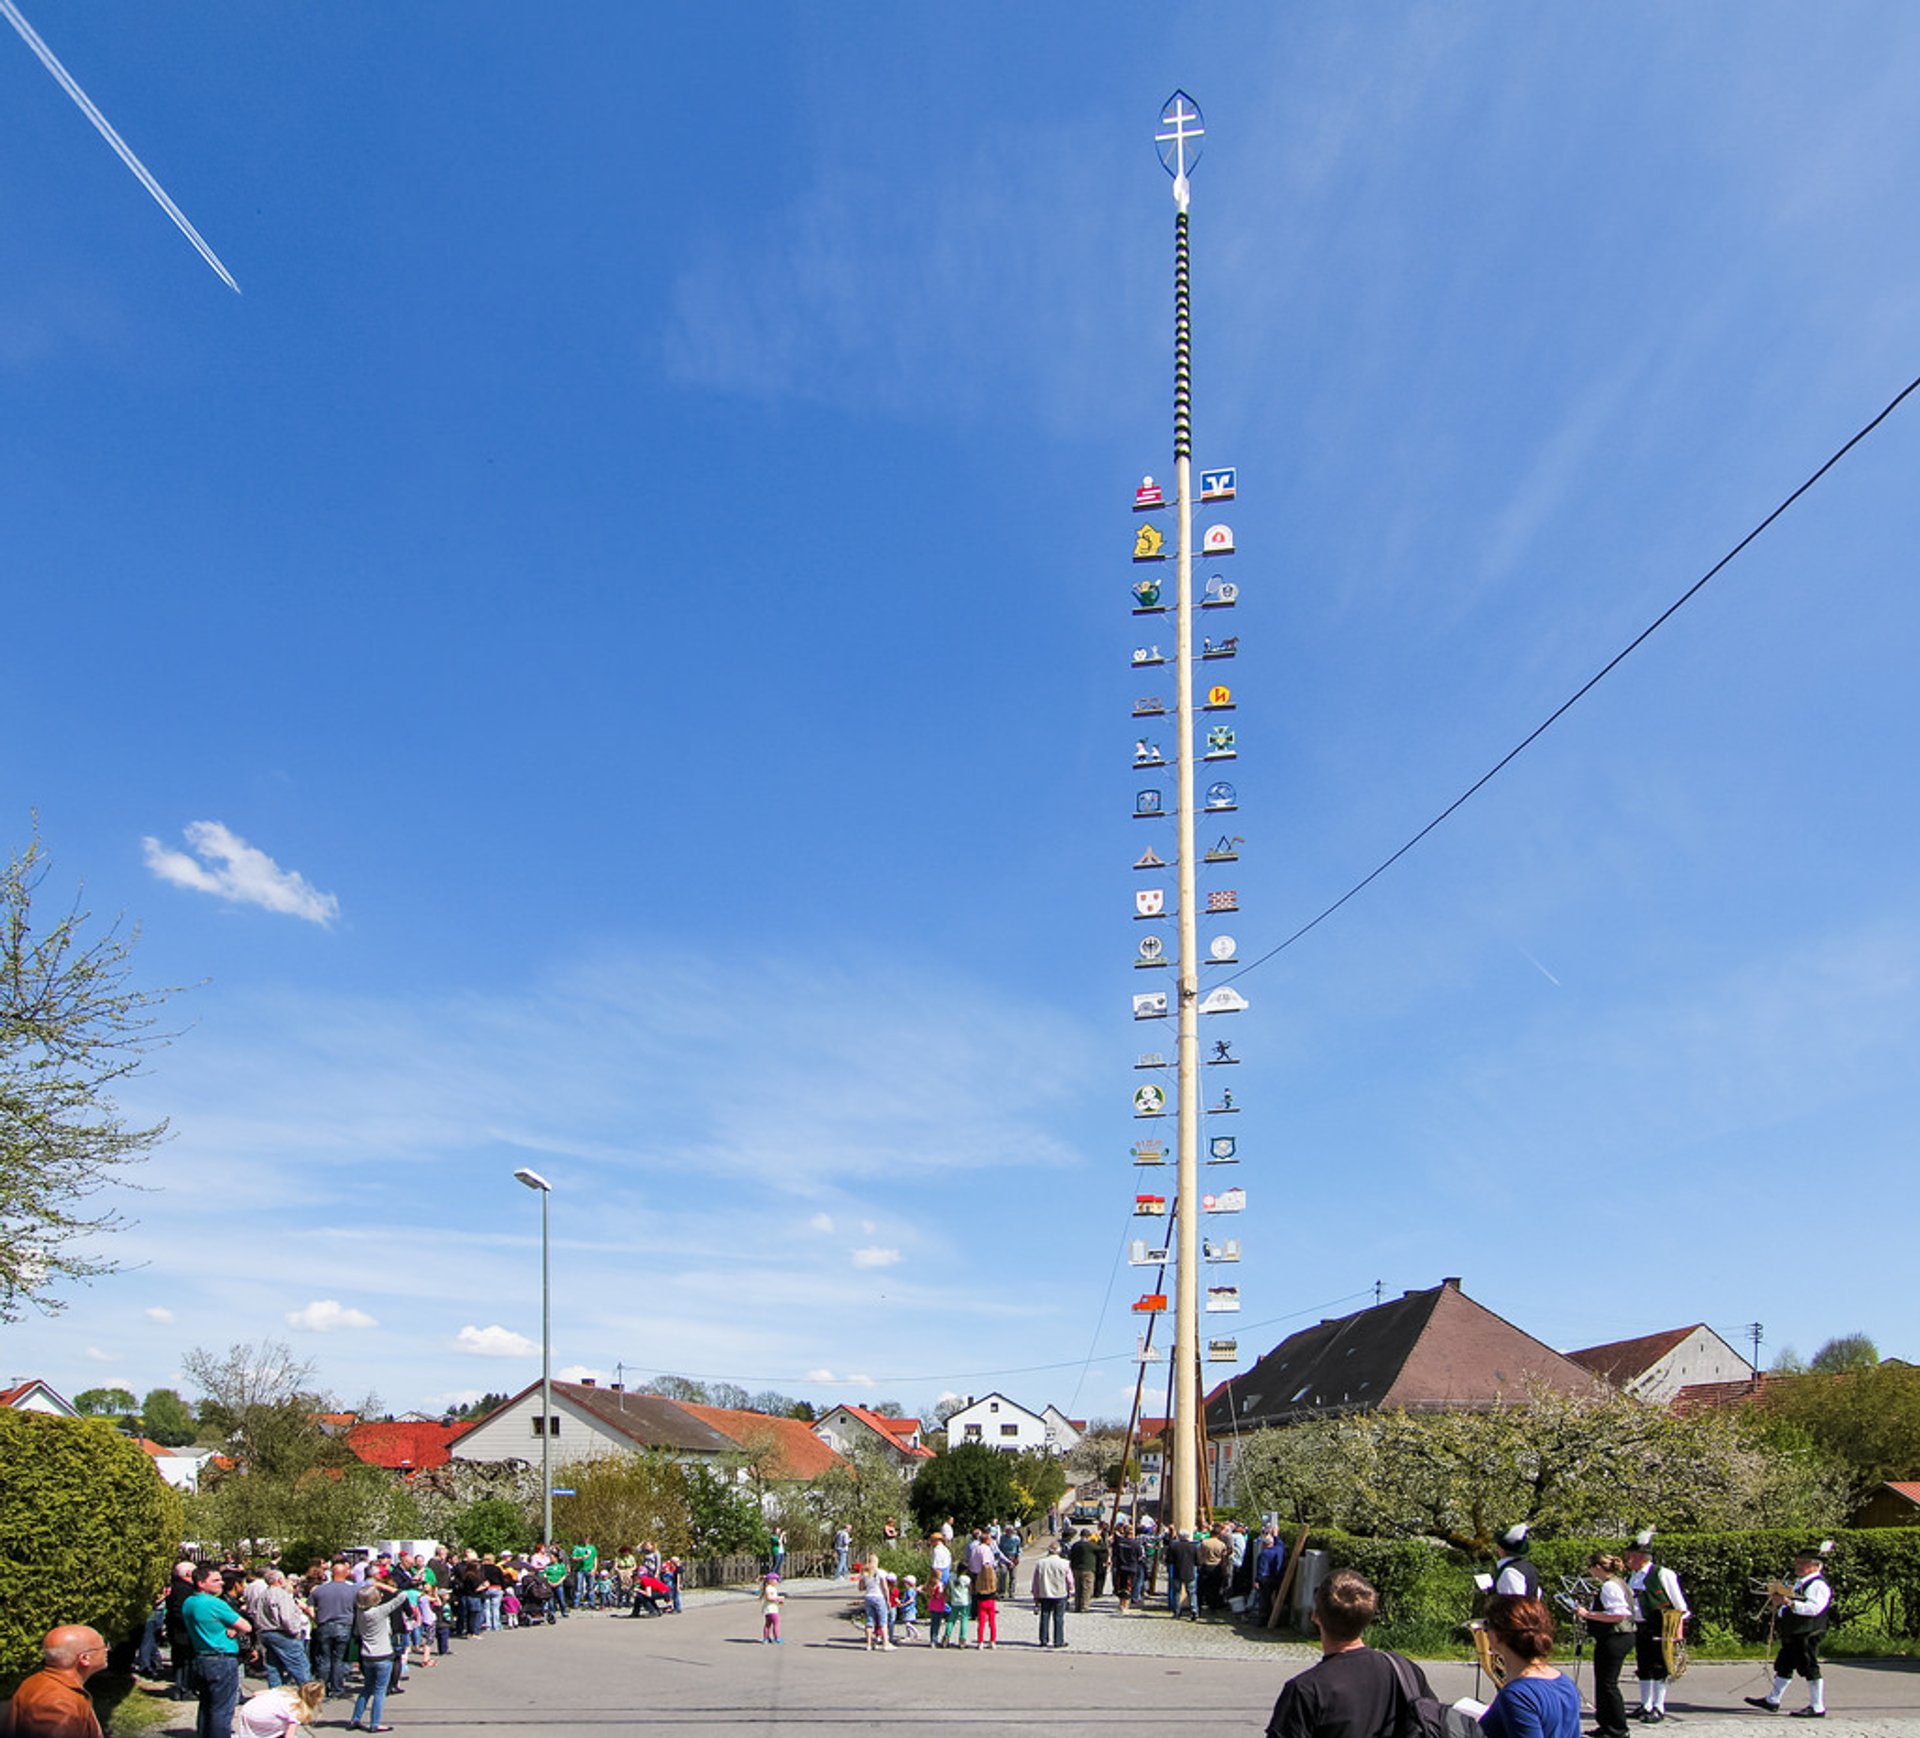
[1355,1691]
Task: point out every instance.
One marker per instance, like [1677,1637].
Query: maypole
[1181,131]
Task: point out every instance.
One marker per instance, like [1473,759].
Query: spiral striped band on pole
[1182,344]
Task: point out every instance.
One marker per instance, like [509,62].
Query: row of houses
[1437,1350]
[1431,1350]
[587,1421]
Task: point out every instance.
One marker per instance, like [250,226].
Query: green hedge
[1426,1589]
[88,1531]
[1875,1573]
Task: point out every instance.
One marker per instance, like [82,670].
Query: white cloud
[821,1222]
[229,868]
[580,1373]
[820,1376]
[493,1342]
[868,1228]
[95,1355]
[159,1313]
[325,1314]
[876,1257]
[860,1382]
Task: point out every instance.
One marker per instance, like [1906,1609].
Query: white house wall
[1701,1357]
[508,1435]
[1000,1423]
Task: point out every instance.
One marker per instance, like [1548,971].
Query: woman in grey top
[372,1623]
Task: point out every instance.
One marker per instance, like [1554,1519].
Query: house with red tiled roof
[1893,1504]
[33,1395]
[1425,1351]
[1710,1396]
[403,1446]
[791,1448]
[842,1427]
[1655,1367]
[590,1420]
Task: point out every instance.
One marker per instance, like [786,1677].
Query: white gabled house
[588,1422]
[1655,1367]
[33,1395]
[843,1428]
[994,1421]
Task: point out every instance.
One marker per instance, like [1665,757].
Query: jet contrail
[1537,966]
[104,127]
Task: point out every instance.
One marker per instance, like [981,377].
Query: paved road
[707,1669]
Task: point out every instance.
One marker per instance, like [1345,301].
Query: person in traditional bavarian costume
[1514,1572]
[1610,1623]
[1656,1591]
[1803,1611]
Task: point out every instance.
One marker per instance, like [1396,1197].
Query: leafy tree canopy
[1566,1463]
[972,1483]
[103,1402]
[1868,1418]
[493,1524]
[475,1408]
[863,1493]
[1845,1352]
[679,1388]
[167,1418]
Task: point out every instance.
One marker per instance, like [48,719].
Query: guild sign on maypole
[1201,733]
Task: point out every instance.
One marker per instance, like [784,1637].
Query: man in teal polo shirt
[213,1630]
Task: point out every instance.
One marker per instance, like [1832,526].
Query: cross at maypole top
[1181,130]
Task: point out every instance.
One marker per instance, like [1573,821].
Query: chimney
[1452,1280]
[586,1381]
[619,1387]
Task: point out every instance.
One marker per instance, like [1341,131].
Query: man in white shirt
[1514,1571]
[1655,1591]
[1801,1620]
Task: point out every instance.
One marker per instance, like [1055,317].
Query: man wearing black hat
[1514,1572]
[1655,1590]
[1802,1620]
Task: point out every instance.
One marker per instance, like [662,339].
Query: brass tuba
[1483,1652]
[1673,1645]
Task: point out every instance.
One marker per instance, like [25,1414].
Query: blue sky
[648,552]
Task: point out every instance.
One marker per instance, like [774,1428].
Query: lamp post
[534,1180]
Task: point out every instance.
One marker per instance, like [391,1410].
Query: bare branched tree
[72,1030]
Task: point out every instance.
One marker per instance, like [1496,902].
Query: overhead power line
[1587,687]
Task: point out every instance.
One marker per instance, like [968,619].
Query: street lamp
[534,1180]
